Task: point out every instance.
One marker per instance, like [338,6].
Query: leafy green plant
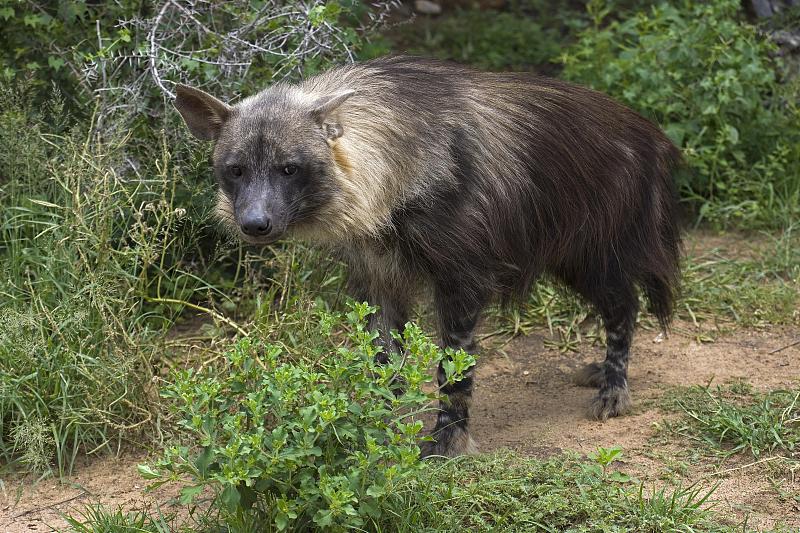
[317,437]
[604,458]
[710,79]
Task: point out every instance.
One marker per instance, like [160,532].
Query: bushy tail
[661,295]
[661,284]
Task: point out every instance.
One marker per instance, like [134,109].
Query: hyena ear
[323,107]
[203,114]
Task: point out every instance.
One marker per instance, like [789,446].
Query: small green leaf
[281,521]
[147,472]
[188,494]
[204,460]
[55,62]
[323,517]
[733,134]
[376,491]
[230,497]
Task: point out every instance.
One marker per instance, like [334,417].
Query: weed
[98,519]
[604,458]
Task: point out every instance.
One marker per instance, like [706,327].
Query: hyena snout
[255,222]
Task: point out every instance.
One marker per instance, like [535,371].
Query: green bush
[112,50]
[485,39]
[315,437]
[710,80]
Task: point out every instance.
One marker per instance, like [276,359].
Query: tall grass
[103,244]
[83,239]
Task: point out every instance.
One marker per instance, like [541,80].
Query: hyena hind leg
[591,375]
[611,376]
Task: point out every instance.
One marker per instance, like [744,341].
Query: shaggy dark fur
[486,182]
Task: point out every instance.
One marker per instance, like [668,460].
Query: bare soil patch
[30,506]
[525,400]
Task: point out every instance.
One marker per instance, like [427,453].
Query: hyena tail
[661,278]
[661,293]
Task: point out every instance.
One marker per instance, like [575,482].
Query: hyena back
[427,176]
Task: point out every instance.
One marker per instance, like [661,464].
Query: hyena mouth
[259,241]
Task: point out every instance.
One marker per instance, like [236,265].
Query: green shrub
[123,51]
[314,437]
[485,39]
[710,80]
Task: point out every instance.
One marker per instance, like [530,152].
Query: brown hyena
[469,185]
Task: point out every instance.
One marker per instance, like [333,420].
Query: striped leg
[451,433]
[611,376]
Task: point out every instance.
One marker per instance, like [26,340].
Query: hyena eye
[236,170]
[290,170]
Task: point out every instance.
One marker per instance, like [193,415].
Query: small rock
[426,7]
[525,372]
[659,338]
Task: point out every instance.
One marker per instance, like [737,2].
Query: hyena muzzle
[427,177]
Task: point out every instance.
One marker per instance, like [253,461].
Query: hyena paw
[592,375]
[451,441]
[612,401]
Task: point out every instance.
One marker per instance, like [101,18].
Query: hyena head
[273,157]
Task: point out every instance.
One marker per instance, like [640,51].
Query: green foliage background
[713,82]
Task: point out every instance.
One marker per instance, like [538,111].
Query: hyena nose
[256,225]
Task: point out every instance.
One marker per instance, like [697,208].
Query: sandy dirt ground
[524,400]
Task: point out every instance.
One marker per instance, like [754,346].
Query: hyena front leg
[619,319]
[391,316]
[451,436]
[392,313]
